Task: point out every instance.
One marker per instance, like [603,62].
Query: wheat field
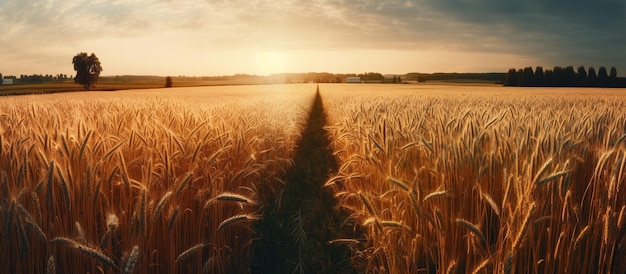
[141,181]
[480,179]
[428,179]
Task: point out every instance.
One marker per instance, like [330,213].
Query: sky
[222,37]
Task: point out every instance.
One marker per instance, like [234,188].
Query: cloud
[558,33]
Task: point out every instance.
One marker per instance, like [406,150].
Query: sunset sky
[221,37]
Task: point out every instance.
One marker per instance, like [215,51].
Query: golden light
[269,62]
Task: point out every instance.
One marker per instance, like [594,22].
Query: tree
[539,76]
[168,82]
[569,76]
[592,78]
[1,79]
[549,75]
[558,75]
[87,69]
[520,77]
[603,77]
[372,76]
[528,77]
[613,82]
[581,76]
[511,78]
[613,74]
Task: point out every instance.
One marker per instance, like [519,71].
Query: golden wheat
[526,166]
[143,164]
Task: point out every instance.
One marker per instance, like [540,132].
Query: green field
[130,82]
[335,178]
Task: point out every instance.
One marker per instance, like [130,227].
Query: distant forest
[564,77]
[37,78]
[493,77]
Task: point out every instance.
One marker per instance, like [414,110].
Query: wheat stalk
[23,239]
[542,169]
[65,190]
[131,262]
[553,177]
[620,218]
[85,250]
[482,266]
[395,224]
[190,252]
[399,183]
[49,189]
[112,222]
[234,219]
[143,218]
[580,236]
[173,218]
[434,195]
[344,241]
[160,205]
[184,183]
[524,227]
[233,197]
[474,229]
[367,204]
[80,234]
[51,267]
[32,225]
[83,145]
[490,202]
[99,256]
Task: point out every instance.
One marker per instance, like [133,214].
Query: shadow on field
[299,221]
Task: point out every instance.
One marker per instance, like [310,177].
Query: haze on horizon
[219,37]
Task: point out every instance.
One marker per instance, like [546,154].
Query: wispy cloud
[43,32]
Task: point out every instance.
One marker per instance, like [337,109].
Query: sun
[269,62]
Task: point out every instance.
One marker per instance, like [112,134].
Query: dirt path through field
[299,223]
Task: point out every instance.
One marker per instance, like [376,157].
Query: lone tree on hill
[87,69]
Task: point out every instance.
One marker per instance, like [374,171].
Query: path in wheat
[298,223]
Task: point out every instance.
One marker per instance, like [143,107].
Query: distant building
[7,81]
[353,80]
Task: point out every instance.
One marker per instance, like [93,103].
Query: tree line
[564,77]
[494,77]
[36,78]
[39,78]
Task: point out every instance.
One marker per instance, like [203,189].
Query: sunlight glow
[269,62]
